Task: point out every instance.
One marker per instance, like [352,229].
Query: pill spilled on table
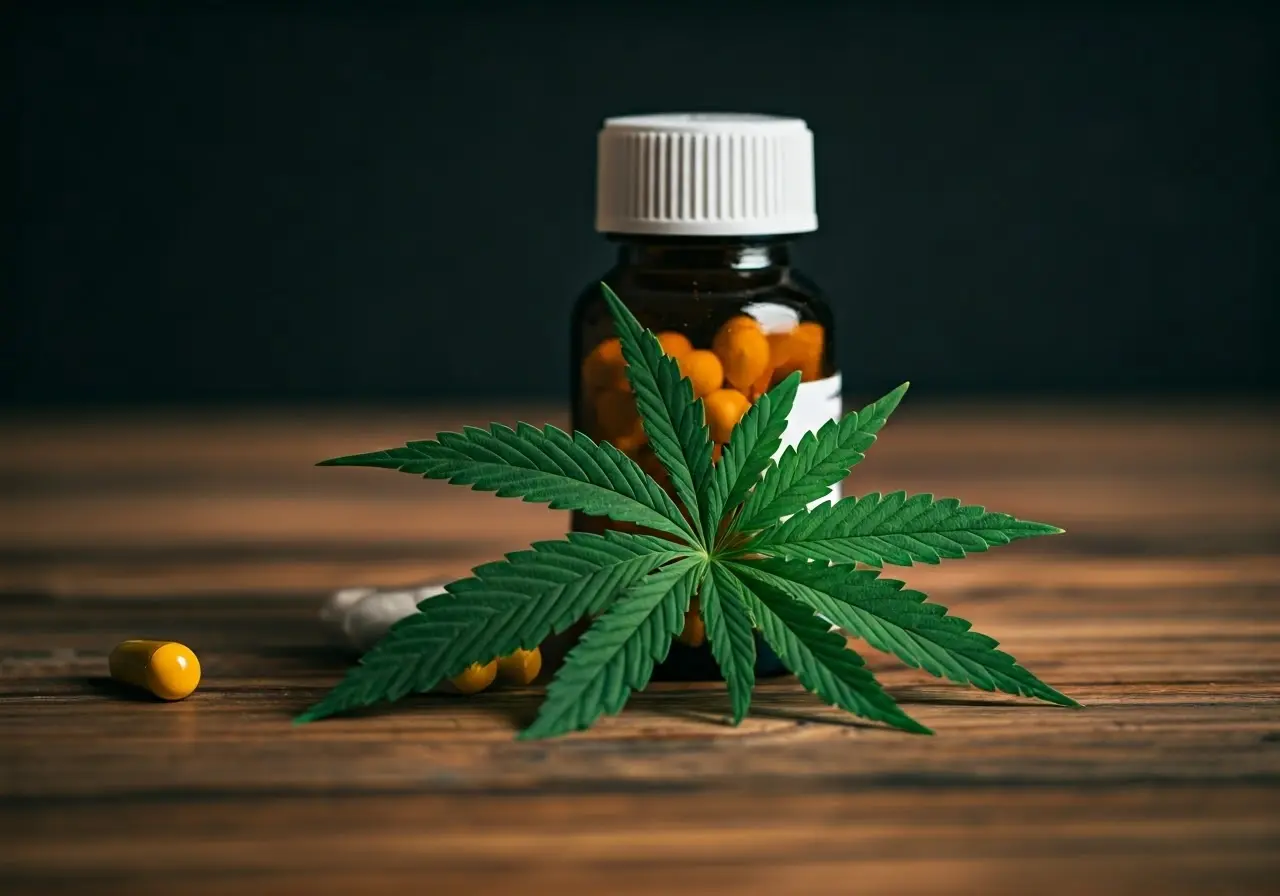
[360,617]
[167,669]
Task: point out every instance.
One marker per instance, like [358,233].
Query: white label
[816,403]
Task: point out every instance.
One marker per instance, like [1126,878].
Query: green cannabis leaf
[731,633]
[820,658]
[544,466]
[806,472]
[617,654]
[755,440]
[748,545]
[893,529]
[900,622]
[502,607]
[672,419]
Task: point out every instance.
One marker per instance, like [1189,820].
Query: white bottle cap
[709,174]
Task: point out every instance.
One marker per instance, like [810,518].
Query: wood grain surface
[1159,610]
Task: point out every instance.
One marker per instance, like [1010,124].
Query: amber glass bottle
[704,209]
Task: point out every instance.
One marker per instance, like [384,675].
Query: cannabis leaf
[542,466]
[674,422]
[739,536]
[755,440]
[807,471]
[617,654]
[820,658]
[900,622]
[732,636]
[508,605]
[893,529]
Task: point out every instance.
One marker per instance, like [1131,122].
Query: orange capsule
[631,443]
[617,414]
[677,345]
[694,632]
[800,349]
[779,347]
[783,351]
[725,407]
[760,386]
[744,352]
[765,379]
[810,332]
[740,322]
[475,678]
[167,669]
[521,667]
[704,370]
[604,367]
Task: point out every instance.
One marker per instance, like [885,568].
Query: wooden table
[1159,611]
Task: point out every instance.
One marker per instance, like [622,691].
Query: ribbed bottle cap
[708,174]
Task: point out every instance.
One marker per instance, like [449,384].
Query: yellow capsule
[521,667]
[165,668]
[476,677]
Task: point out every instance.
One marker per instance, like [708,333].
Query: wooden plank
[907,840]
[1158,611]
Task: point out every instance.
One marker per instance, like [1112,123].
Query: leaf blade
[806,471]
[753,443]
[819,657]
[617,654]
[732,637]
[503,606]
[894,529]
[901,622]
[673,419]
[543,466]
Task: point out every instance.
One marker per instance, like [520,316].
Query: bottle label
[816,403]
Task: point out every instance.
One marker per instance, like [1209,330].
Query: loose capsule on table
[521,667]
[475,678]
[167,669]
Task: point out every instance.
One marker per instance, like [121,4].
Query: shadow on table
[704,704]
[104,686]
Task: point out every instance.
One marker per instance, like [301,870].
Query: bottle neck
[704,253]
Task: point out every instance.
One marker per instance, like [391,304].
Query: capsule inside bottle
[167,669]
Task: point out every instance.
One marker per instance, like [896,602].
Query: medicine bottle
[704,209]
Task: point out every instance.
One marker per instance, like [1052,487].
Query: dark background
[372,201]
